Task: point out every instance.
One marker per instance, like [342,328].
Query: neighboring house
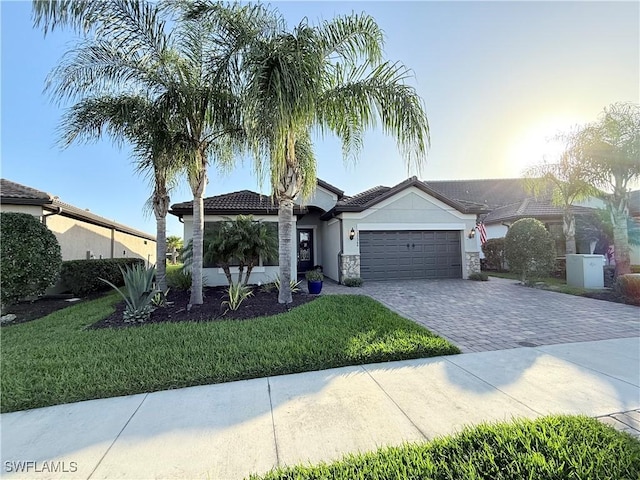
[80,233]
[409,231]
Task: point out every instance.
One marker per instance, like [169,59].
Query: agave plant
[139,293]
[237,294]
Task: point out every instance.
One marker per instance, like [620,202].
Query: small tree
[493,250]
[529,249]
[174,245]
[30,259]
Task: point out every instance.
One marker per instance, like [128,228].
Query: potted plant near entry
[314,281]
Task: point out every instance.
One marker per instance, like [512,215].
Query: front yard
[58,360]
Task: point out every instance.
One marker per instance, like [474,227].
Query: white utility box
[585,271]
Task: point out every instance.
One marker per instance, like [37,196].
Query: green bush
[179,279]
[479,276]
[82,277]
[529,249]
[139,293]
[494,256]
[352,282]
[30,257]
[628,287]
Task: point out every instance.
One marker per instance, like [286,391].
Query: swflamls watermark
[30,466]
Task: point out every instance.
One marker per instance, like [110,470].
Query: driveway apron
[501,314]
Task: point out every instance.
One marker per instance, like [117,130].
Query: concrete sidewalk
[227,431]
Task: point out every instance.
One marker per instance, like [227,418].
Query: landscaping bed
[60,358]
[556,447]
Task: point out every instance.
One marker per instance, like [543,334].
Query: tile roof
[13,193]
[491,193]
[244,201]
[529,207]
[22,193]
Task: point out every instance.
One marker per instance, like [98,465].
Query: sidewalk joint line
[117,436]
[492,386]
[581,365]
[273,424]
[426,437]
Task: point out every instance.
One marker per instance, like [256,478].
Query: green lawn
[558,447]
[550,283]
[57,360]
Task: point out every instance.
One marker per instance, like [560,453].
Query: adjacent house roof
[530,207]
[12,193]
[235,203]
[490,193]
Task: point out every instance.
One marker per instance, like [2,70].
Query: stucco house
[408,231]
[80,233]
[413,230]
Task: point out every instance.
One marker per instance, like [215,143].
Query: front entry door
[305,250]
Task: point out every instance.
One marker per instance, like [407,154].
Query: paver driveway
[500,314]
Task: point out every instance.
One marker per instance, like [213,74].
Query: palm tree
[174,244]
[190,72]
[567,181]
[610,147]
[330,77]
[138,121]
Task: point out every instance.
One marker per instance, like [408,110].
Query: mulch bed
[32,310]
[261,304]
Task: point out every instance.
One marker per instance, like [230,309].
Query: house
[408,231]
[80,233]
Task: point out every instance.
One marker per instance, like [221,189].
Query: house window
[211,230]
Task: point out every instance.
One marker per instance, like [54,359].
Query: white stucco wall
[330,233]
[321,198]
[34,210]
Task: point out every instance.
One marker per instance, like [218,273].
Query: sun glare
[537,144]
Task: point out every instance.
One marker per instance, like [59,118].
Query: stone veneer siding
[473,262]
[349,266]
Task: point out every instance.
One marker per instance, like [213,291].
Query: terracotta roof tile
[9,189]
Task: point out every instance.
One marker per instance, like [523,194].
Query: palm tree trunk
[569,227]
[285,234]
[198,182]
[160,209]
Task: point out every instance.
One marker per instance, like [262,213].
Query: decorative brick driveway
[500,314]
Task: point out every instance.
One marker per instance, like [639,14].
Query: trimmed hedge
[495,259]
[82,277]
[529,249]
[628,287]
[30,257]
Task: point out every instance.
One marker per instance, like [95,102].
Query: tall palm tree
[331,77]
[611,148]
[567,182]
[189,71]
[143,124]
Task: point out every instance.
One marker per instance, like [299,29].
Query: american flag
[483,233]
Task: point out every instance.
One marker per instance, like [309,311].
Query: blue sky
[497,78]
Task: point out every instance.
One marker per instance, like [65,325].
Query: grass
[550,283]
[557,447]
[57,360]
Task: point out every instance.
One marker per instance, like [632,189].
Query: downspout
[44,216]
[113,241]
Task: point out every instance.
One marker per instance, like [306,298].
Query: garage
[405,255]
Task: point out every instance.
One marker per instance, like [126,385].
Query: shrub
[479,276]
[493,251]
[560,268]
[30,257]
[179,279]
[314,276]
[628,287]
[529,249]
[139,293]
[293,285]
[635,268]
[82,277]
[352,282]
[237,293]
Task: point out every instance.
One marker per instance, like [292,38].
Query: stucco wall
[331,248]
[34,210]
[77,237]
[321,198]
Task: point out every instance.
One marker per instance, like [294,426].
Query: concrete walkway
[500,314]
[228,431]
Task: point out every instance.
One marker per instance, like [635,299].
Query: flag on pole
[483,233]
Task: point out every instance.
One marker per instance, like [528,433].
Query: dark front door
[305,250]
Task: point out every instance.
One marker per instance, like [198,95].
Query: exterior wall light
[352,234]
[472,233]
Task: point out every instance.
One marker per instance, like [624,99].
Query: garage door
[402,255]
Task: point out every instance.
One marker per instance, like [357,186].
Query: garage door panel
[403,255]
